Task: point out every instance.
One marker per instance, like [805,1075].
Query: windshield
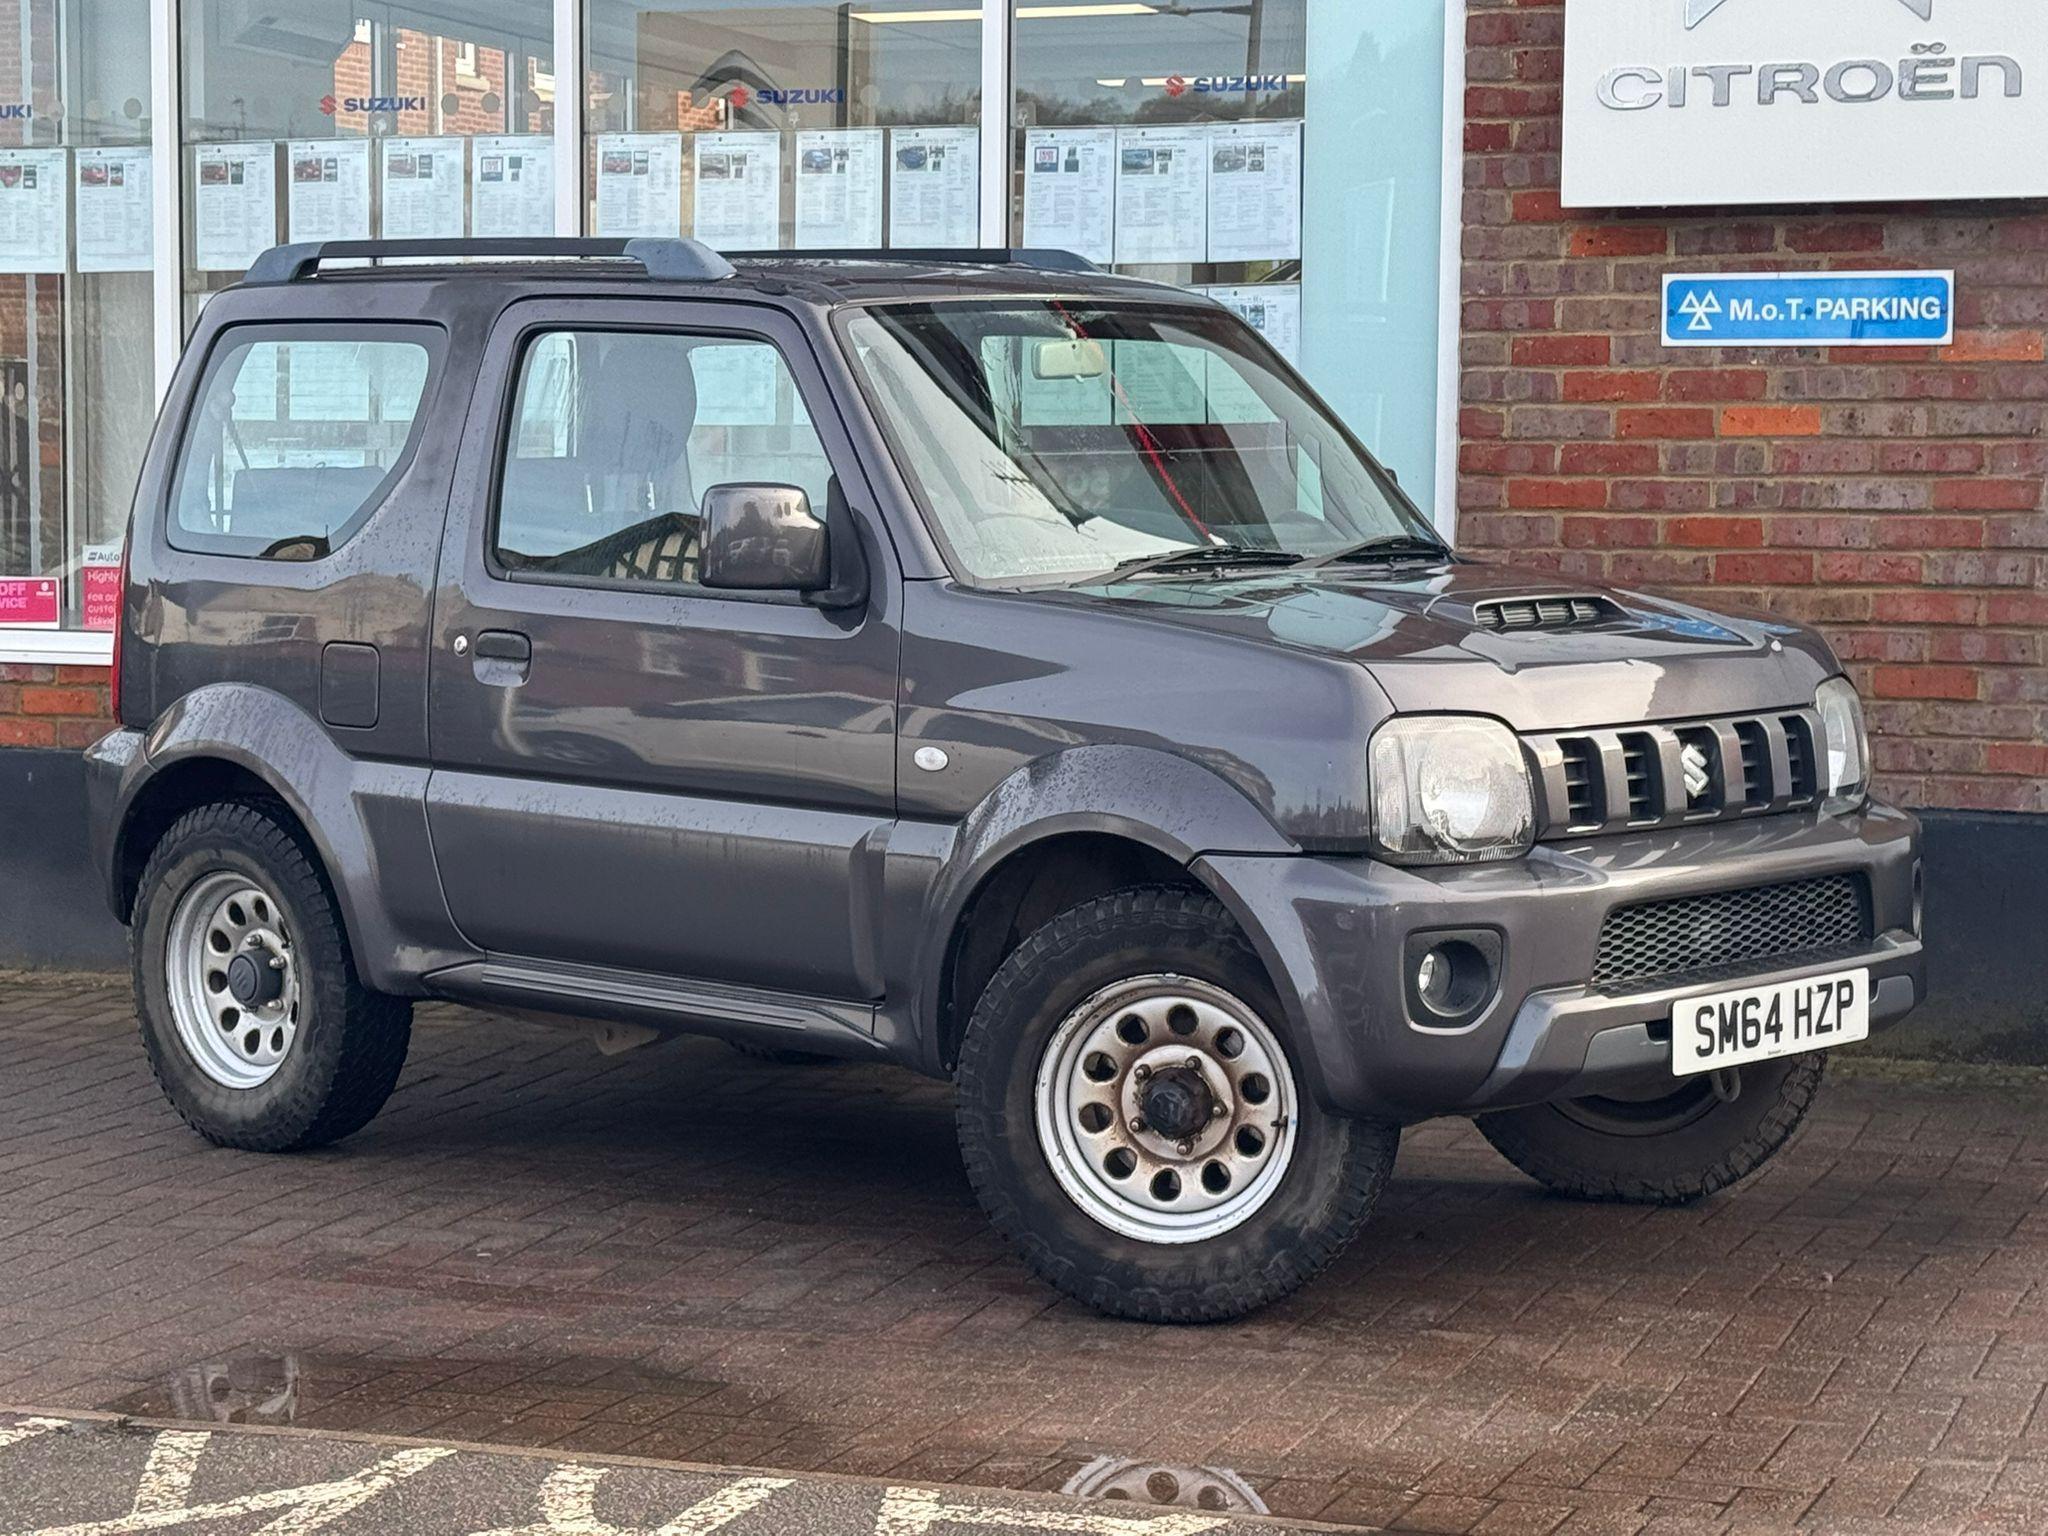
[1055,441]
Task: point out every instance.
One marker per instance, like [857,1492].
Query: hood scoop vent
[1530,615]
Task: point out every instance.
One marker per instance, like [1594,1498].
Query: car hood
[1433,640]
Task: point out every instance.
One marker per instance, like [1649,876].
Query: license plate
[1732,1029]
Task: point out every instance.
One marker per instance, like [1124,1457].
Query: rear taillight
[120,626]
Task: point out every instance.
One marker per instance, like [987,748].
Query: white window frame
[91,647]
[1450,296]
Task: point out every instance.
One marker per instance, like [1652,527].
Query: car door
[633,770]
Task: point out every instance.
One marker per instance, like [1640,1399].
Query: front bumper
[1333,933]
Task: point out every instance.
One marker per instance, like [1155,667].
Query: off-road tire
[351,1041]
[1723,1147]
[1338,1166]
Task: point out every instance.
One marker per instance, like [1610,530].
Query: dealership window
[1373,184]
[1166,141]
[764,125]
[1262,152]
[1314,126]
[75,360]
[333,119]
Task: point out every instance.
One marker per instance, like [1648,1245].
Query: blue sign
[1810,309]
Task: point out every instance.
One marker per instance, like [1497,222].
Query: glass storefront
[340,120]
[770,125]
[1282,156]
[76,392]
[1166,141]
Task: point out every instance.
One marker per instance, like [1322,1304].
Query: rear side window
[295,437]
[617,435]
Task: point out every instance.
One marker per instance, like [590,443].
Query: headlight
[1449,790]
[1845,746]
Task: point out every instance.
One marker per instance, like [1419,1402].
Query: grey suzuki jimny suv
[972,661]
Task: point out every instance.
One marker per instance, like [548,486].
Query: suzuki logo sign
[1692,102]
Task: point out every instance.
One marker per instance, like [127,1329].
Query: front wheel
[1666,1143]
[1134,1118]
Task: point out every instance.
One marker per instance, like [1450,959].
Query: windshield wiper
[1198,558]
[1387,546]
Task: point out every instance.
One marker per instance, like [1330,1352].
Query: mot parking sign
[1809,309]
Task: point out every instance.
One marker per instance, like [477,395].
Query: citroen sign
[1697,11]
[1673,103]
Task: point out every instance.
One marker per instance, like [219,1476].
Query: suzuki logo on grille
[1698,777]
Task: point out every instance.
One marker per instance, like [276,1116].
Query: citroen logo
[1697,11]
[1698,778]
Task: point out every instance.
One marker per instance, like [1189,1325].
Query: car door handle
[503,645]
[502,658]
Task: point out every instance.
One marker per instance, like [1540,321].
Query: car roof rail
[1037,258]
[673,260]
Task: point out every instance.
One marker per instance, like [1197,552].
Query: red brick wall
[1893,497]
[50,706]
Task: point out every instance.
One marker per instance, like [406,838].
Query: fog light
[1433,978]
[1452,977]
[1919,899]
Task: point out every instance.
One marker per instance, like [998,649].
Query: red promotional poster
[100,587]
[28,602]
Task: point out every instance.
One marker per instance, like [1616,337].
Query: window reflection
[782,126]
[75,302]
[342,120]
[1165,140]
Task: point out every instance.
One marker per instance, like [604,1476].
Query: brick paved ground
[680,1253]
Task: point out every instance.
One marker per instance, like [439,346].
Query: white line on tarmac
[167,1479]
[568,1506]
[914,1511]
[306,1509]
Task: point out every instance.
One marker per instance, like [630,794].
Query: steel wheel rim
[1090,1098]
[238,1043]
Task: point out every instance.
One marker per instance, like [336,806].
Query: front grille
[1697,936]
[1799,756]
[1639,775]
[1581,776]
[1756,763]
[1624,778]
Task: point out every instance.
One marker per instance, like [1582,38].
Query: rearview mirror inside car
[1077,359]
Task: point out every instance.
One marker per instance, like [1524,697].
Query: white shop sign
[1672,103]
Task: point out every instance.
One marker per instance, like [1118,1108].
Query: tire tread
[375,1029]
[1212,1291]
[1526,1138]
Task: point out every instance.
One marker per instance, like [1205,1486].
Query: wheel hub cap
[254,983]
[232,977]
[1176,1103]
[1165,1109]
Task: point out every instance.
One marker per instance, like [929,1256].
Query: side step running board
[753,1015]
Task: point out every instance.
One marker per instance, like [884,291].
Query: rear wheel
[1663,1144]
[258,1029]
[1133,1117]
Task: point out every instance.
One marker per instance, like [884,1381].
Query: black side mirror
[763,538]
